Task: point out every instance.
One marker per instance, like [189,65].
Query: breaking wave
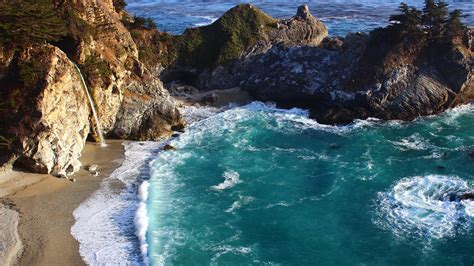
[426,207]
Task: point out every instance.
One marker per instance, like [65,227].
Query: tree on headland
[434,17]
[408,21]
[432,22]
[30,21]
[140,22]
[119,4]
[454,26]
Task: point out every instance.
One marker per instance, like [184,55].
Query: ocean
[266,186]
[340,16]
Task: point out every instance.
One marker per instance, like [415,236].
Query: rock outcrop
[242,32]
[124,90]
[46,123]
[342,79]
[45,116]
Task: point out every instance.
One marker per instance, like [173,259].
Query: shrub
[96,68]
[28,21]
[140,23]
[119,5]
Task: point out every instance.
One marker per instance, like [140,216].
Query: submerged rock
[467,196]
[471,154]
[168,147]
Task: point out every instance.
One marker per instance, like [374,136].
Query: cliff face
[45,124]
[355,77]
[109,57]
[242,32]
[51,114]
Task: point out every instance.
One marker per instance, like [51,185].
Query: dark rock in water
[210,99]
[168,147]
[335,146]
[471,154]
[175,135]
[178,128]
[343,79]
[440,167]
[467,196]
[459,197]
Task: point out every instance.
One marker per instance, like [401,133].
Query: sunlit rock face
[49,119]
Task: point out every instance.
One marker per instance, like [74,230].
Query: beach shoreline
[45,204]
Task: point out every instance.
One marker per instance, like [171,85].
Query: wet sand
[45,205]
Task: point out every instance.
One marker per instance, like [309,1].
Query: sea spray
[111,224]
[94,112]
[424,206]
[141,220]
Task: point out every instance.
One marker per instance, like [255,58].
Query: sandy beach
[44,205]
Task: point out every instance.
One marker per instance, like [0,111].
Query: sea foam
[232,178]
[421,207]
[104,226]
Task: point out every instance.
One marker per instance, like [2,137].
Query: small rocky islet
[132,71]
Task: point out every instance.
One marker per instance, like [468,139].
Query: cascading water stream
[94,112]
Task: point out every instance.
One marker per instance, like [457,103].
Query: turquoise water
[259,185]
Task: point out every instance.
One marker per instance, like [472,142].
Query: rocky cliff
[385,74]
[45,115]
[45,125]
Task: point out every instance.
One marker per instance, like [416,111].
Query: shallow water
[340,16]
[258,185]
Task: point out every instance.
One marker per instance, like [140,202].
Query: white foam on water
[104,222]
[225,249]
[231,177]
[192,114]
[141,219]
[423,207]
[210,20]
[413,142]
[451,116]
[243,200]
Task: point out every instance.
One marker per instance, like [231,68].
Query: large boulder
[148,112]
[45,116]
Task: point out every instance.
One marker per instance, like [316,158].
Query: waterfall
[94,112]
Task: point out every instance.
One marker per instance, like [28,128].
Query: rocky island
[68,59]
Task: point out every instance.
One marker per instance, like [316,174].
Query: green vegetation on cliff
[221,42]
[30,21]
[119,5]
[411,35]
[432,23]
[227,38]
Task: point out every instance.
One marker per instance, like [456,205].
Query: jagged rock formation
[244,31]
[349,78]
[46,124]
[50,112]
